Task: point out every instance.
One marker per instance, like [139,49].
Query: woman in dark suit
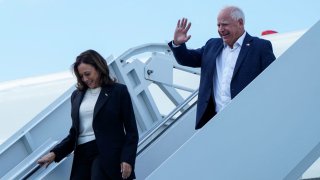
[104,133]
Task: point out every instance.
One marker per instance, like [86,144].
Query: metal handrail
[170,115]
[31,172]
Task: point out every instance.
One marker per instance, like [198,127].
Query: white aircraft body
[162,92]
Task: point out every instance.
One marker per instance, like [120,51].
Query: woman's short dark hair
[94,59]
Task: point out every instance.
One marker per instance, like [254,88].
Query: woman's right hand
[180,34]
[47,159]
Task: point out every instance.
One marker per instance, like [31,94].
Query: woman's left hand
[126,170]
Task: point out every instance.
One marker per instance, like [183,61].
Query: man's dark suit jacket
[112,113]
[255,55]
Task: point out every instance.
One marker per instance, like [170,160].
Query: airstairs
[159,99]
[269,131]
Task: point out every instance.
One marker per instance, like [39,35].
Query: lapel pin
[248,44]
[106,94]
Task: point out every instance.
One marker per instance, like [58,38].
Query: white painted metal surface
[21,100]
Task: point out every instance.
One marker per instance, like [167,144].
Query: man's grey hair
[236,13]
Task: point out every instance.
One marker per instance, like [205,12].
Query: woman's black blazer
[114,126]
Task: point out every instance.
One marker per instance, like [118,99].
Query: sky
[39,37]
